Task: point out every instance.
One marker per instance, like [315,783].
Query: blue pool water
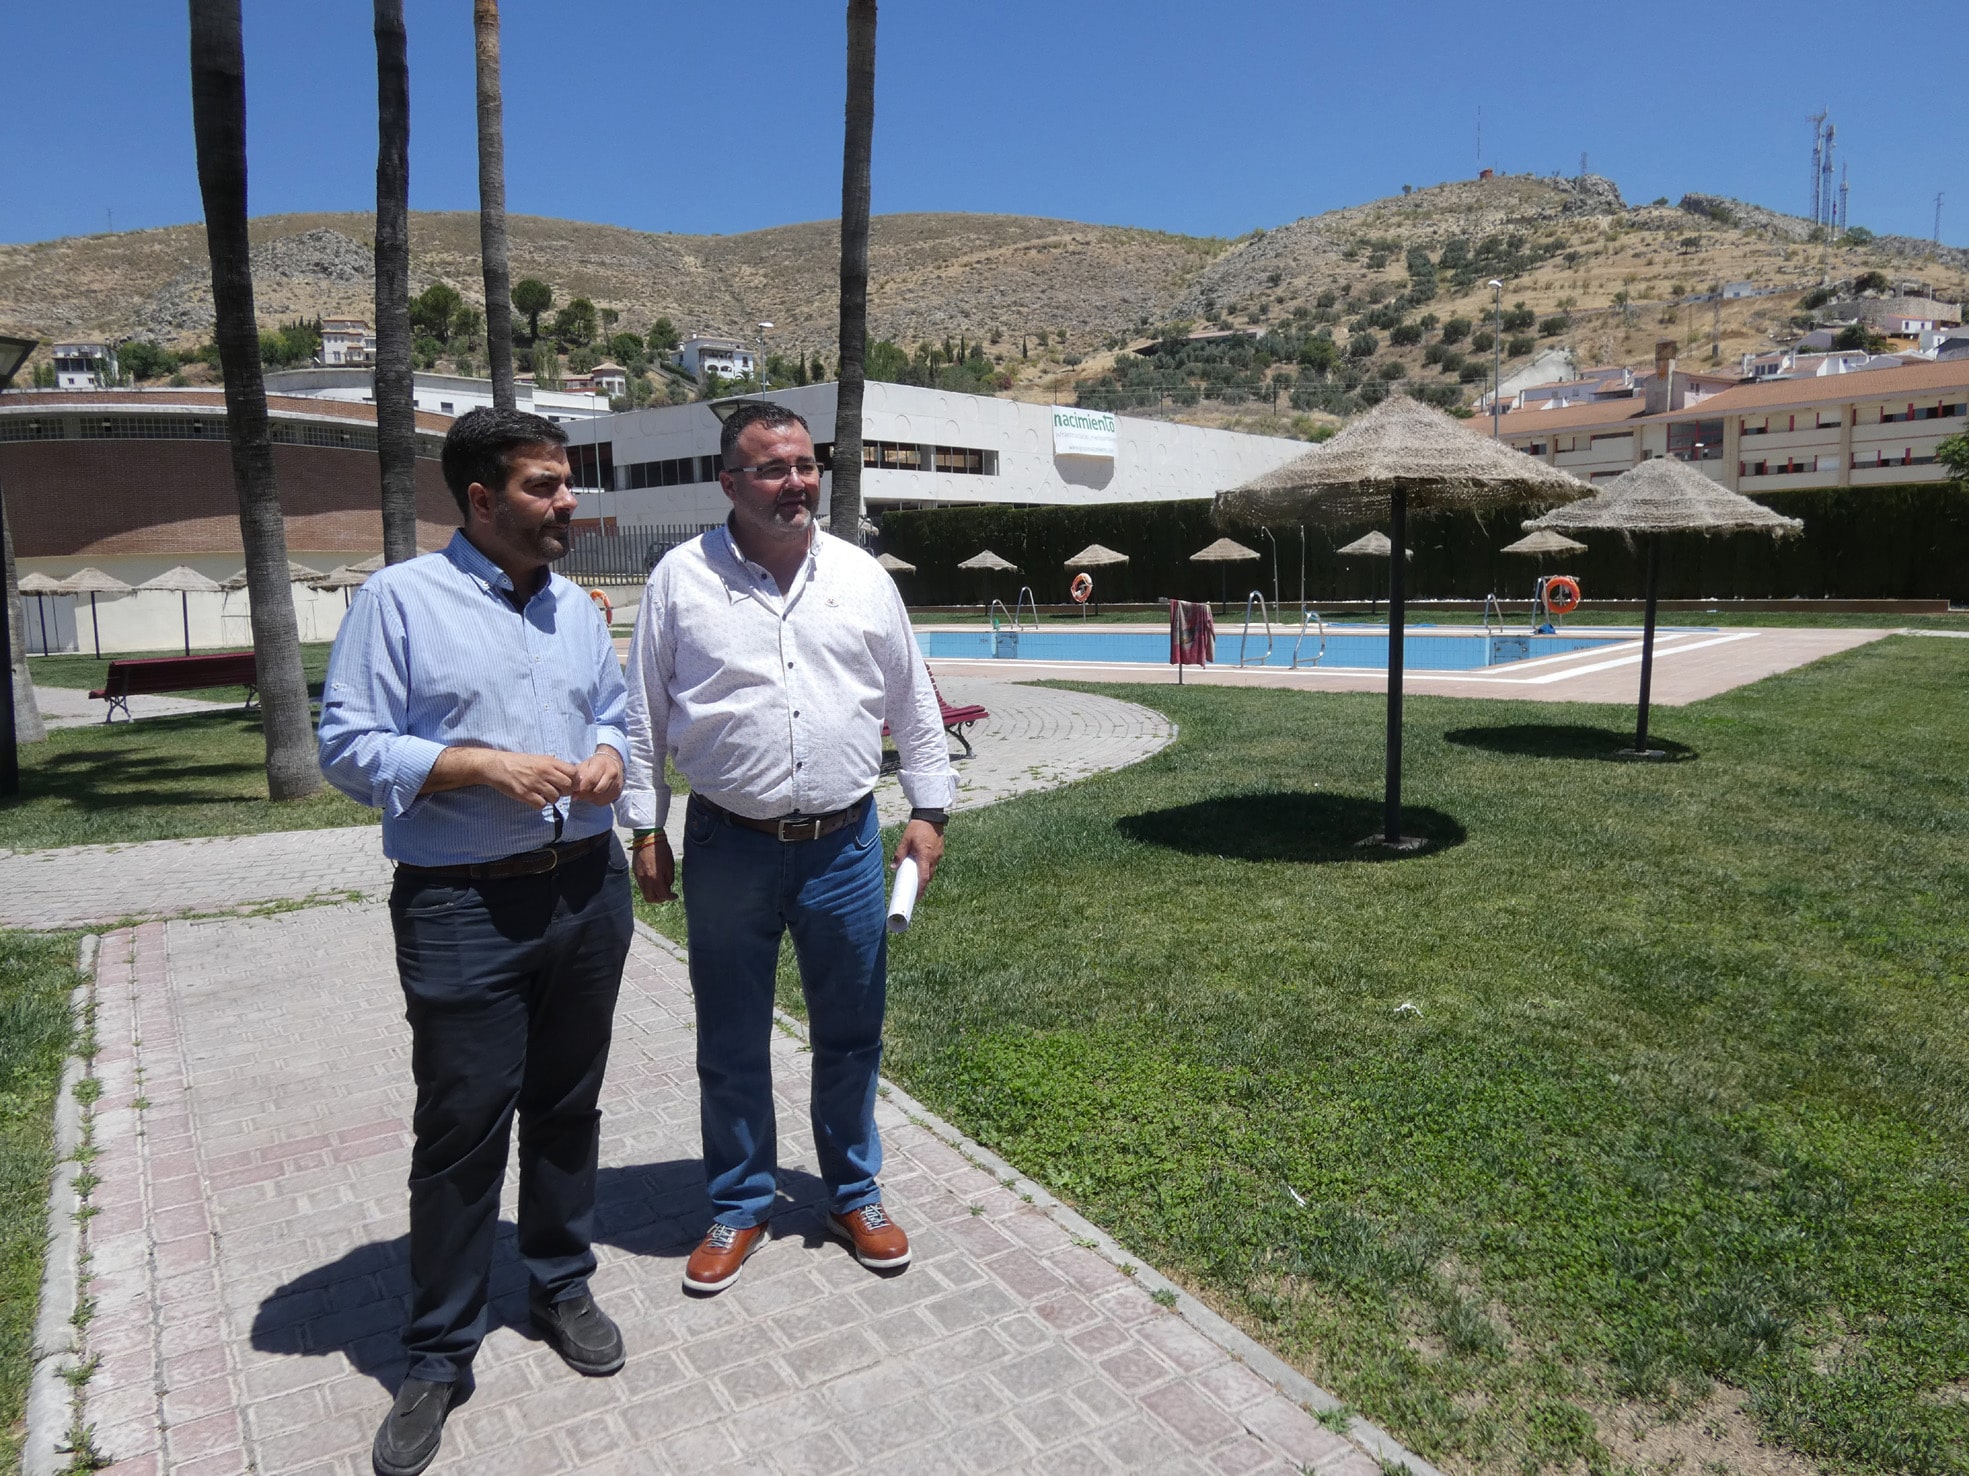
[1425,649]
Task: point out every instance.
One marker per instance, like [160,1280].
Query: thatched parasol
[987,563]
[92,582]
[1656,497]
[1094,556]
[369,565]
[1400,452]
[1374,546]
[1544,541]
[185,581]
[40,586]
[296,574]
[894,565]
[1223,553]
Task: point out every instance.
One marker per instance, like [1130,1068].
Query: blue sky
[1209,118]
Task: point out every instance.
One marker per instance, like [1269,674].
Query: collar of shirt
[764,587]
[467,556]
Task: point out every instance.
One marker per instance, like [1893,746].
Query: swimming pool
[1424,648]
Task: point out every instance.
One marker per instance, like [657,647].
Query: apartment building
[1871,428]
[347,341]
[726,357]
[85,365]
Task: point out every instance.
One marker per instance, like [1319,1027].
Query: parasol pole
[95,626]
[41,609]
[1398,536]
[1648,645]
[184,604]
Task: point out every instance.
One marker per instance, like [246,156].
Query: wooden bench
[955,721]
[127,679]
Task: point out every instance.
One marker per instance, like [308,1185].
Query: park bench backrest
[181,673]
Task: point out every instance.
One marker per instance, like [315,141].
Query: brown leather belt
[792,827]
[526,863]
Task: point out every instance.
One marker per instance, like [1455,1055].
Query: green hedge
[1858,543]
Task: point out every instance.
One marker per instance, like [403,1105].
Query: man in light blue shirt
[474,698]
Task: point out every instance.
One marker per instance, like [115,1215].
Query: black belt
[526,863]
[792,827]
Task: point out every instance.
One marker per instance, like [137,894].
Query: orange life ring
[1083,587]
[602,603]
[1562,594]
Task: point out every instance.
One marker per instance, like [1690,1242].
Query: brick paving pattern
[1034,739]
[248,1262]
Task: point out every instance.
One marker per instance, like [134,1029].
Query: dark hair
[751,413]
[479,443]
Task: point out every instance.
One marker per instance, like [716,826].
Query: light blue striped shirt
[431,654]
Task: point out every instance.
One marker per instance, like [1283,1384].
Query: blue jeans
[510,990]
[743,891]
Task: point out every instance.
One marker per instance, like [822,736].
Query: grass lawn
[36,975]
[1641,1103]
[87,673]
[159,779]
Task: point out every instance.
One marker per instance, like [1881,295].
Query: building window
[593,465]
[675,471]
[1611,436]
[1684,436]
[1745,428]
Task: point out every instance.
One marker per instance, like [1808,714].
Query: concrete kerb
[57,1340]
[1254,1355]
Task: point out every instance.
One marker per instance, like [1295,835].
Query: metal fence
[625,553]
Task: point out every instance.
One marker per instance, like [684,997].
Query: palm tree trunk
[396,403]
[492,205]
[28,727]
[218,110]
[844,505]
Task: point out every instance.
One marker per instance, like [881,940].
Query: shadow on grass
[1565,741]
[1312,829]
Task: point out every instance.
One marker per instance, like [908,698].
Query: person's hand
[598,778]
[655,870]
[532,779]
[924,842]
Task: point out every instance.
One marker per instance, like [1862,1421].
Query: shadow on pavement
[354,1306]
[1563,741]
[1311,829]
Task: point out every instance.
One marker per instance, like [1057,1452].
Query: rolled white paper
[902,901]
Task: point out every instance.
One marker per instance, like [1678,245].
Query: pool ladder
[1309,620]
[1023,601]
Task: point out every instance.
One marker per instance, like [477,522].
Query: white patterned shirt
[772,703]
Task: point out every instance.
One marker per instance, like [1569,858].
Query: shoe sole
[717,1286]
[871,1262]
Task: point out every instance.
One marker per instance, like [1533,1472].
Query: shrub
[1517,319]
[1518,347]
[1451,360]
[1482,339]
[1456,329]
[1362,346]
[1473,372]
[1391,369]
[1553,326]
[1818,297]
[1435,353]
[1405,335]
[1870,282]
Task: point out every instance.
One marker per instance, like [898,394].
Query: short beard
[549,541]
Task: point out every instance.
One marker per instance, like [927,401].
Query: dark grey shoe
[582,1333]
[412,1430]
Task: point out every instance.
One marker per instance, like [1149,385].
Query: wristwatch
[938,818]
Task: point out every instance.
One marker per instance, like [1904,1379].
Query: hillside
[930,275]
[1598,278]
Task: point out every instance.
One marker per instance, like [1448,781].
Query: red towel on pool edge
[1192,634]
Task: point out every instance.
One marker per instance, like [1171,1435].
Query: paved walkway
[1690,665]
[1034,739]
[247,1253]
[73,707]
[249,1263]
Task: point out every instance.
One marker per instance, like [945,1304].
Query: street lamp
[764,329]
[1497,369]
[13,353]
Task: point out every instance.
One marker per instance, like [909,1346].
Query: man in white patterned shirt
[767,657]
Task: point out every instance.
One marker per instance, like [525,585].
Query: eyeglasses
[780,471]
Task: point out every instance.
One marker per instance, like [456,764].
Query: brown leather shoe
[716,1262]
[877,1241]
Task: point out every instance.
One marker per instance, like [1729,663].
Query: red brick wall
[72,498]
